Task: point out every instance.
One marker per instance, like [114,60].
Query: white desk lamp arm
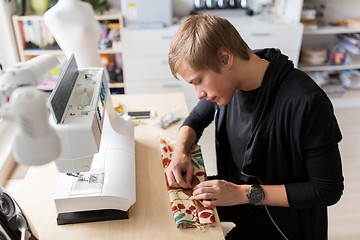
[21,102]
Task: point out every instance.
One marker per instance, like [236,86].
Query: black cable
[267,210]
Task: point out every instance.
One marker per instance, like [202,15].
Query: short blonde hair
[198,40]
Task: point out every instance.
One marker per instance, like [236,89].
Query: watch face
[256,195]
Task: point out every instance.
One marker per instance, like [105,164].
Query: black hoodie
[293,141]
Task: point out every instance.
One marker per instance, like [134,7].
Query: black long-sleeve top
[294,140]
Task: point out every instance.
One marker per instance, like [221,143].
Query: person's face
[215,87]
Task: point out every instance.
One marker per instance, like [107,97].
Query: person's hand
[180,171]
[220,193]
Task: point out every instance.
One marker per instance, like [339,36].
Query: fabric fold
[187,211]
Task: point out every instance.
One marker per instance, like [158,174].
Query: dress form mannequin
[74,27]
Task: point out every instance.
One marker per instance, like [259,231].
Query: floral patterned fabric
[187,211]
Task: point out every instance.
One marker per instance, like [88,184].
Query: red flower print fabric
[187,211]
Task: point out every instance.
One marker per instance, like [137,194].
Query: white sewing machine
[98,149]
[97,155]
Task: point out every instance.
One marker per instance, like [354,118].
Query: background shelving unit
[327,37]
[339,67]
[116,84]
[329,31]
[325,31]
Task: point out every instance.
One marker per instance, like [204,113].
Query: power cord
[266,208]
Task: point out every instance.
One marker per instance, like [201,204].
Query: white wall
[8,57]
[8,50]
[338,9]
[114,3]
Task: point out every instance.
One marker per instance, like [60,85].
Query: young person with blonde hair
[278,161]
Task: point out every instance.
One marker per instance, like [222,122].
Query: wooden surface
[150,217]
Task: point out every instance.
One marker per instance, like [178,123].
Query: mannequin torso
[74,27]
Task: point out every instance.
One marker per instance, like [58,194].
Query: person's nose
[200,93]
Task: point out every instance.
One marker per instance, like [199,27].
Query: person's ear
[226,57]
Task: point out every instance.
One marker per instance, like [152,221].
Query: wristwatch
[255,195]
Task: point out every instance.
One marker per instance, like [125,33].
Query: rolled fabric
[187,211]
